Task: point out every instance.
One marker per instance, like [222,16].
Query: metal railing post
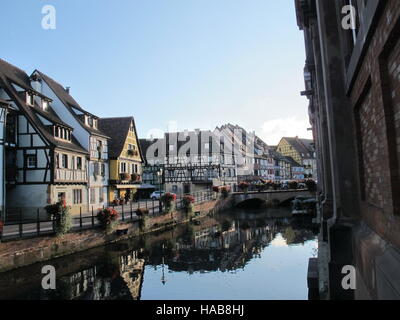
[80,219]
[38,222]
[93,217]
[20,223]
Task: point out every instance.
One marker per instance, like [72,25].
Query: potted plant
[142,212]
[225,190]
[125,176]
[168,200]
[62,220]
[108,219]
[188,203]
[135,177]
[244,186]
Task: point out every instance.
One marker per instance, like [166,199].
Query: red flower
[169,197]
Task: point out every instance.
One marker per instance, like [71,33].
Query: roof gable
[70,103]
[118,129]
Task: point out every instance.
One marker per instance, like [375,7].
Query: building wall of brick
[364,80]
[375,98]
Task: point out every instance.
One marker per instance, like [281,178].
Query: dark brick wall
[375,97]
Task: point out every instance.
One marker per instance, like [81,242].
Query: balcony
[132,153]
[128,179]
[70,175]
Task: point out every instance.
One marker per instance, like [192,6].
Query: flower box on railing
[132,152]
[125,176]
[136,177]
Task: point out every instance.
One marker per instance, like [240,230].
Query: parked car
[302,186]
[156,195]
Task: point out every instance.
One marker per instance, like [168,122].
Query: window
[122,167]
[103,169]
[29,99]
[171,147]
[65,161]
[77,196]
[79,163]
[45,105]
[92,196]
[136,168]
[101,195]
[31,161]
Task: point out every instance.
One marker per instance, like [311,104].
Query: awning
[146,186]
[127,186]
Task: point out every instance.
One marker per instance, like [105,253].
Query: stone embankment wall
[18,253]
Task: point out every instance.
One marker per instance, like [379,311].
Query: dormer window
[45,105]
[29,98]
[132,128]
[62,133]
[94,123]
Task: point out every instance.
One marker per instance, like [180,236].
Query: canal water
[244,254]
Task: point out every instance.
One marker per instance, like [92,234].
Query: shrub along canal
[243,254]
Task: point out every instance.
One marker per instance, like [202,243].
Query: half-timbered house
[87,133]
[44,160]
[189,161]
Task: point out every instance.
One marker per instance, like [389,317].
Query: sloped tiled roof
[10,74]
[69,102]
[117,129]
[303,146]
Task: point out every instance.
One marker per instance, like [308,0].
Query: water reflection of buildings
[222,243]
[227,245]
[118,278]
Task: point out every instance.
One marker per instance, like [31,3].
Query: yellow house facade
[125,157]
[286,148]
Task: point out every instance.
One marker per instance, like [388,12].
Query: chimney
[67,89]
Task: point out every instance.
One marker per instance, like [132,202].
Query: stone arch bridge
[279,195]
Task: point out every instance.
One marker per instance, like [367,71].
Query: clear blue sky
[200,63]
